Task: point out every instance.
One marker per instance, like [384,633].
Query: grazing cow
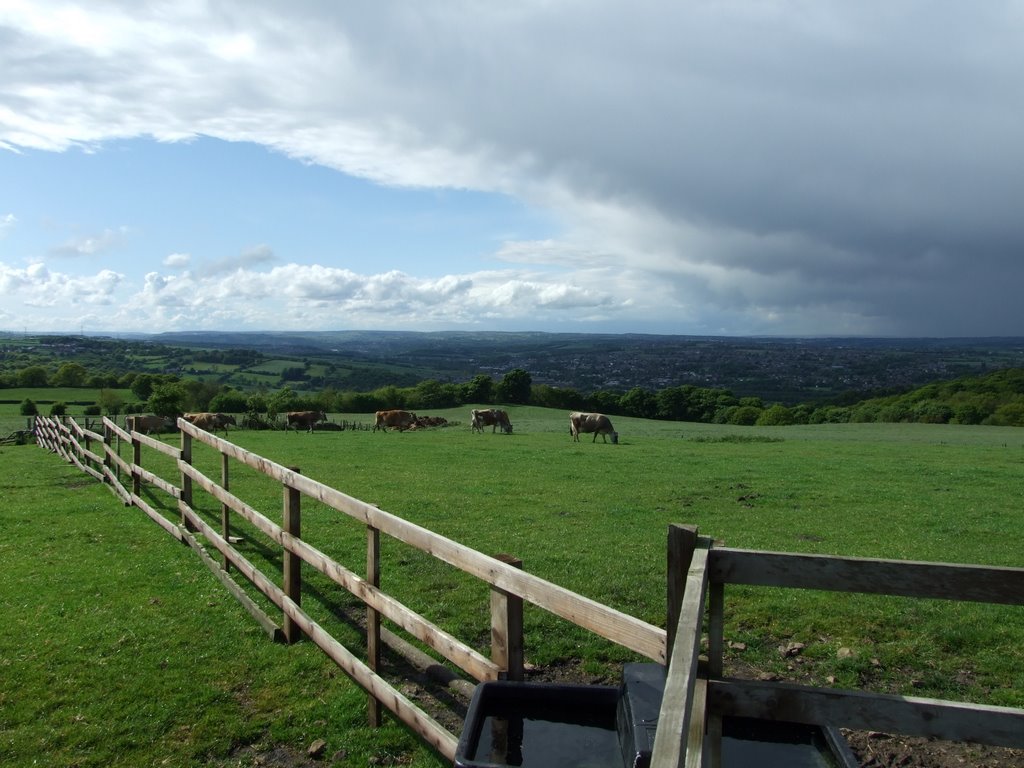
[148,424]
[211,422]
[305,419]
[597,423]
[403,420]
[490,417]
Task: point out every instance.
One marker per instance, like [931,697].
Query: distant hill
[786,370]
[790,371]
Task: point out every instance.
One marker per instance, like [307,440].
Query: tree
[167,399]
[931,412]
[282,401]
[433,394]
[70,375]
[101,380]
[198,394]
[604,401]
[58,409]
[33,376]
[110,401]
[390,397]
[515,387]
[1009,415]
[479,389]
[775,416]
[255,405]
[229,401]
[968,413]
[672,404]
[742,415]
[547,396]
[359,402]
[640,403]
[28,408]
[142,385]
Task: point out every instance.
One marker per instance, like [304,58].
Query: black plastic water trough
[547,725]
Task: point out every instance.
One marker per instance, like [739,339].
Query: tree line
[996,398]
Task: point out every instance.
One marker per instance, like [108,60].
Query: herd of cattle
[495,418]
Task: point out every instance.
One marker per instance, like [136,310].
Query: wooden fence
[697,695]
[98,455]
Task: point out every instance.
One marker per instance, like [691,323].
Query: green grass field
[115,628]
[11,399]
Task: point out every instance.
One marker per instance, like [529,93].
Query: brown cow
[211,422]
[305,419]
[402,420]
[147,424]
[597,423]
[490,417]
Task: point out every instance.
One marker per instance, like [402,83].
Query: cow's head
[615,438]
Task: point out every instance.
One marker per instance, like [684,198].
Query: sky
[705,167]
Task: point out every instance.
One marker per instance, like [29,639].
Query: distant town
[782,370]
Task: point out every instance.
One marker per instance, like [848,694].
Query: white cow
[597,423]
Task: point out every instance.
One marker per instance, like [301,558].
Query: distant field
[11,399]
[592,517]
[76,399]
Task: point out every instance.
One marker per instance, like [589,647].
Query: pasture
[591,517]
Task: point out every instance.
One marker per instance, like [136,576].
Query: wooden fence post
[682,541]
[108,445]
[225,510]
[186,480]
[292,564]
[507,627]
[87,446]
[136,463]
[373,643]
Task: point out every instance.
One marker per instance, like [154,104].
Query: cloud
[254,256]
[177,260]
[91,245]
[759,167]
[38,287]
[7,222]
[300,297]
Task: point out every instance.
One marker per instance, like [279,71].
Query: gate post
[682,541]
[292,563]
[507,627]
